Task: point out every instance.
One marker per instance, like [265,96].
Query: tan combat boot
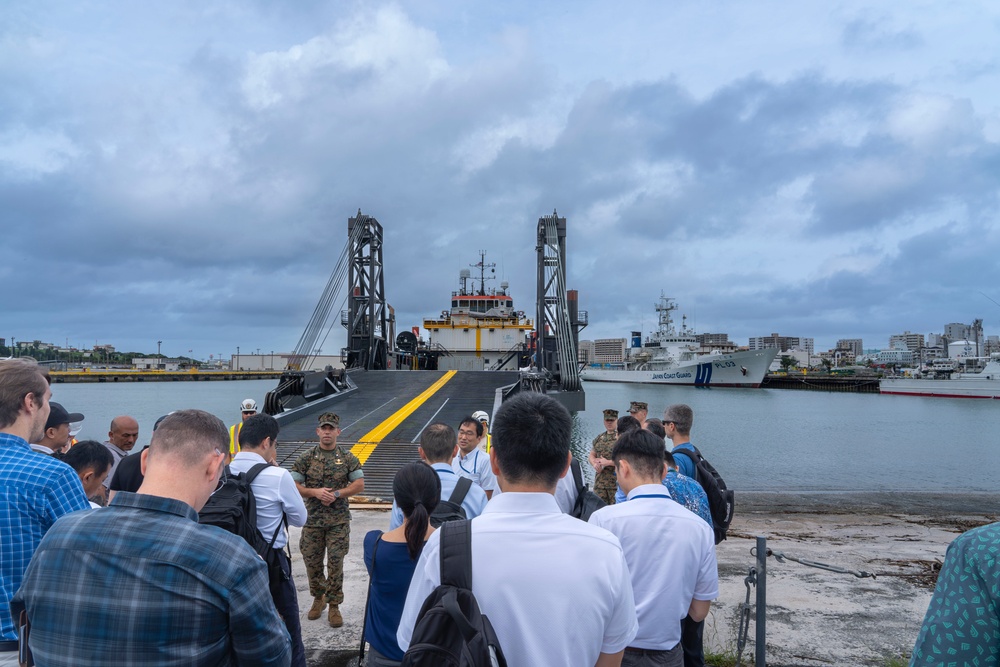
[336,620]
[317,608]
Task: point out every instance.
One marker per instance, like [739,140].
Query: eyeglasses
[222,475]
[249,412]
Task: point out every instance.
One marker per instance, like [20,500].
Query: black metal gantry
[368,322]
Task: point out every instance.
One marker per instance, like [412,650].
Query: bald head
[124,432]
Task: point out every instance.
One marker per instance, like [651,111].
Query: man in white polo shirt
[669,549]
[438,447]
[277,498]
[471,461]
[556,589]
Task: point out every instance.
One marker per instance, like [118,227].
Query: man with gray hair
[158,587]
[35,490]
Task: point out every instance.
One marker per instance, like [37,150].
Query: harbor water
[759,439]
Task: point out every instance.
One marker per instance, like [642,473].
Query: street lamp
[158,344]
[272,360]
[237,358]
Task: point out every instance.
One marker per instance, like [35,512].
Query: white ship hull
[985,384]
[740,369]
[974,388]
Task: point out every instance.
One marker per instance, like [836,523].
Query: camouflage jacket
[332,469]
[603,444]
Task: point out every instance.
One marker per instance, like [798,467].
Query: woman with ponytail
[392,557]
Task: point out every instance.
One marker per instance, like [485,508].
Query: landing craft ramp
[382,419]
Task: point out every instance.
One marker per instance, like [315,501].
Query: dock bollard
[760,659]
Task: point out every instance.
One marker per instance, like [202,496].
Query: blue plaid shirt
[35,490]
[141,582]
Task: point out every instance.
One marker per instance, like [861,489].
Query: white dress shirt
[671,555]
[473,503]
[556,589]
[275,493]
[476,466]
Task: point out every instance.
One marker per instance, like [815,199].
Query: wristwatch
[336,494]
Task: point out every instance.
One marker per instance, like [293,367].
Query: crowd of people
[103,560]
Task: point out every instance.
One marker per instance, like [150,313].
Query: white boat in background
[670,356]
[981,384]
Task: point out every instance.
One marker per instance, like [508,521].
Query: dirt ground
[814,617]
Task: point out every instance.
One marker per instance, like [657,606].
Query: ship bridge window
[464,303]
[454,303]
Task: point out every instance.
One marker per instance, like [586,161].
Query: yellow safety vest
[234,439]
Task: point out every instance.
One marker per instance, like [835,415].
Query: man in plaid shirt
[141,582]
[35,489]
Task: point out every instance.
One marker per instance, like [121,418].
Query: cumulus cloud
[209,183]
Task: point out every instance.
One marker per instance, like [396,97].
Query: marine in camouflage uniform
[326,475]
[606,481]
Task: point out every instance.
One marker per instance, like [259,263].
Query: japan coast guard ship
[670,356]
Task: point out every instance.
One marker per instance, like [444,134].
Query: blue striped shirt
[35,490]
[141,582]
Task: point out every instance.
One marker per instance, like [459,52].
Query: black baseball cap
[59,416]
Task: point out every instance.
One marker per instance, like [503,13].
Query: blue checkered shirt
[141,582]
[35,490]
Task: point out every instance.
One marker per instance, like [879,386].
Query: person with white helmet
[484,419]
[248,408]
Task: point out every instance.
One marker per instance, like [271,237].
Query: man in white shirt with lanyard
[471,461]
[438,447]
[277,499]
[556,589]
[669,549]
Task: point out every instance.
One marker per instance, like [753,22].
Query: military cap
[637,406]
[329,418]
[610,414]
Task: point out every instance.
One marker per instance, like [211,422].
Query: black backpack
[451,631]
[451,509]
[587,502]
[721,500]
[233,508]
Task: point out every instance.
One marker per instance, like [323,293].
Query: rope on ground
[782,557]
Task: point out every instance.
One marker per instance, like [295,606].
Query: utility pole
[237,358]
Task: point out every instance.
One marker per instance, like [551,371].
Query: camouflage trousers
[333,542]
[606,493]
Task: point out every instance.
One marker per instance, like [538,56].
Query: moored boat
[981,384]
[674,356]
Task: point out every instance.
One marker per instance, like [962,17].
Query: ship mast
[482,266]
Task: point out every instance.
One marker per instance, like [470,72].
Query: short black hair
[627,423]
[89,454]
[643,451]
[256,429]
[438,442]
[475,422]
[531,437]
[655,426]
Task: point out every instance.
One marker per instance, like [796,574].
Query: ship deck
[383,416]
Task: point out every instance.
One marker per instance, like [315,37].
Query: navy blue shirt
[390,582]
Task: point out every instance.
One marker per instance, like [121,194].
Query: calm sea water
[760,440]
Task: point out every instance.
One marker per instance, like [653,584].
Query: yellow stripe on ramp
[369,441]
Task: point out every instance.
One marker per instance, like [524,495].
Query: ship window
[464,303]
[454,303]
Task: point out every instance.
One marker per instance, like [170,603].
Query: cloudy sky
[183,171]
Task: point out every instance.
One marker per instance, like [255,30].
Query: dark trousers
[286,601]
[691,642]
